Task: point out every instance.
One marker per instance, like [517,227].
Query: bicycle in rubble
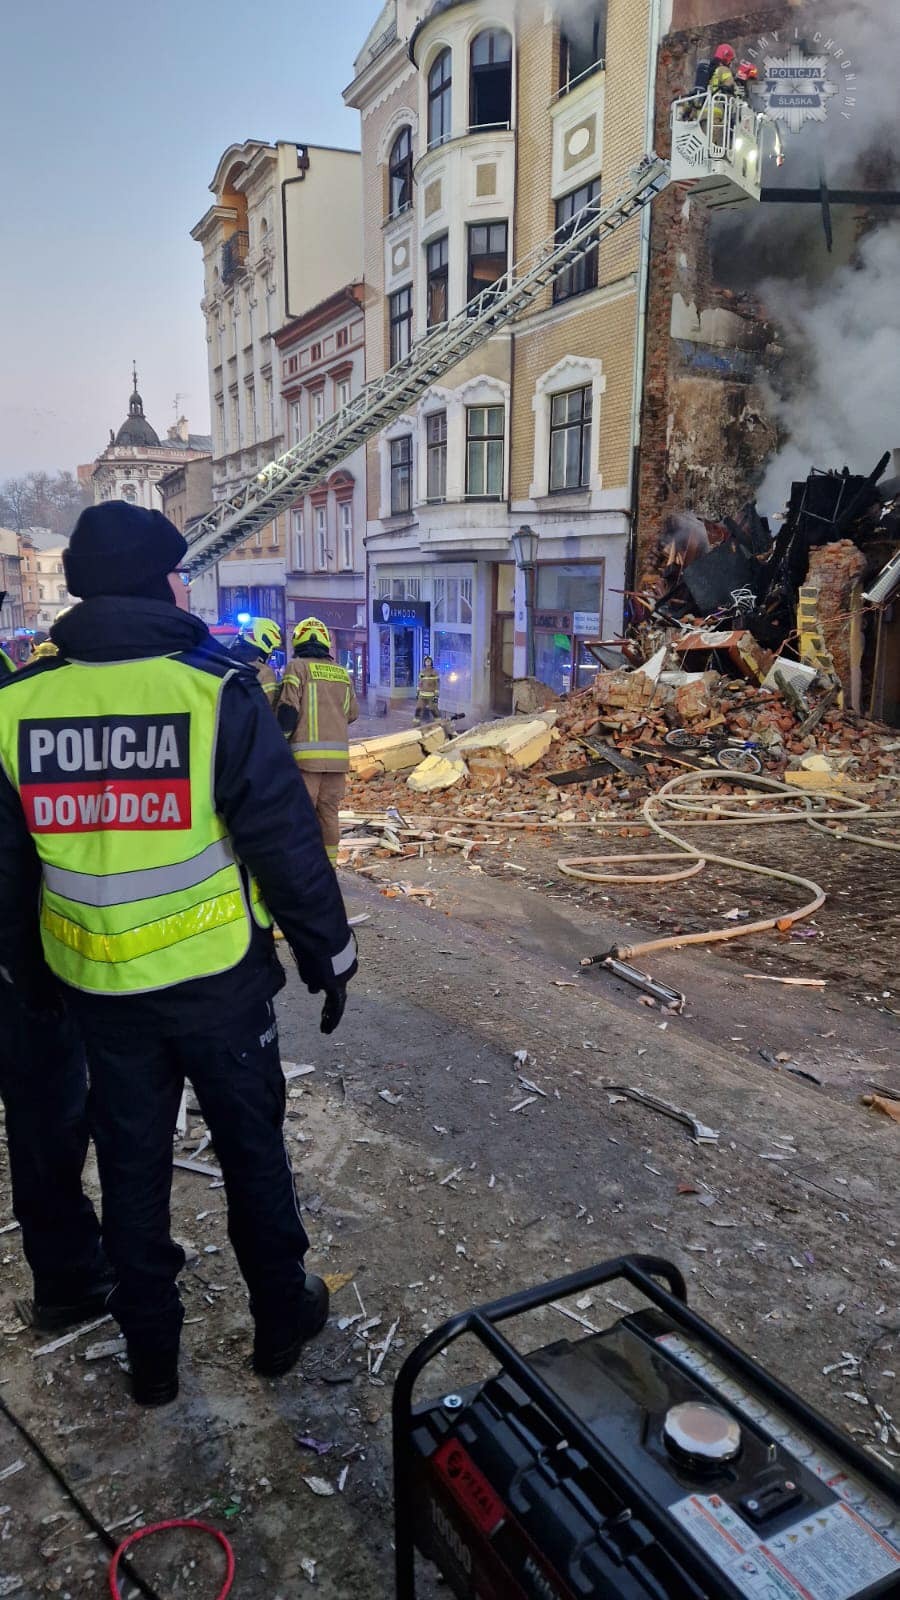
[734,755]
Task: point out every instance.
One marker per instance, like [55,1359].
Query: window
[570,440]
[259,538]
[484,452]
[315,353]
[129,494]
[296,422]
[343,338]
[487,255]
[40,592]
[401,475]
[220,429]
[321,537]
[318,407]
[343,393]
[490,79]
[582,275]
[400,173]
[440,98]
[250,408]
[436,451]
[400,309]
[582,45]
[452,600]
[346,518]
[436,257]
[298,541]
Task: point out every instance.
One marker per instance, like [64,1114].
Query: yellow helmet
[311,631]
[45,648]
[265,634]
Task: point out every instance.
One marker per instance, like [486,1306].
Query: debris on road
[701,1133]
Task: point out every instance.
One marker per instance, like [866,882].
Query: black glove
[333,1008]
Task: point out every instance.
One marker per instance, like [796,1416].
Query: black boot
[277,1345]
[154,1374]
[52,1316]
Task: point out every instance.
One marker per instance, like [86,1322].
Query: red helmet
[747,72]
[724,55]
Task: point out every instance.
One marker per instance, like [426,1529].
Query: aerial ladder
[717,153]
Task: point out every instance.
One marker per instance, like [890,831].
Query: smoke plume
[845,407]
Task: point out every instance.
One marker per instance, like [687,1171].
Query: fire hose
[586,867]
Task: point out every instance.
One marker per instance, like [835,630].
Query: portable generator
[650,1461]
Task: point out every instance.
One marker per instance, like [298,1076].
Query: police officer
[142,776]
[315,705]
[254,647]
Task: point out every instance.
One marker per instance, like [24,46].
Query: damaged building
[733,344]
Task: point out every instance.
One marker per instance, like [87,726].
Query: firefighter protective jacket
[244,650]
[316,703]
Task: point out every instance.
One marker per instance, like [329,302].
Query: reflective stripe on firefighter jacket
[114,765]
[429,685]
[268,682]
[323,697]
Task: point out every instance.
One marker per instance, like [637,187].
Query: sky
[113,117]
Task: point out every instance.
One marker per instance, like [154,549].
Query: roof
[136,430]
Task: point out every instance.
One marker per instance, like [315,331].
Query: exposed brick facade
[835,571]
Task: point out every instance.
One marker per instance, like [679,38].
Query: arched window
[490,79]
[129,494]
[440,99]
[400,173]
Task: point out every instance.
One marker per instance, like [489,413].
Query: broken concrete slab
[436,772]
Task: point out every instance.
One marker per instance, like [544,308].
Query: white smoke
[844,409]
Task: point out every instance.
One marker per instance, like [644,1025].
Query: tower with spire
[136,459]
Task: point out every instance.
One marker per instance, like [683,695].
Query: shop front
[568,613]
[403,640]
[345,621]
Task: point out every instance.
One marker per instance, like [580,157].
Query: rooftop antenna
[177,402]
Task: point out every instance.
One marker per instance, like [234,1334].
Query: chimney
[184,431]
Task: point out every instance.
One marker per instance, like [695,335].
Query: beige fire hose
[583,867]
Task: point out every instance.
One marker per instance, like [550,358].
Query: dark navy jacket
[260,797]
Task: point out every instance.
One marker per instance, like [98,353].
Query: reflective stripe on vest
[114,764]
[309,751]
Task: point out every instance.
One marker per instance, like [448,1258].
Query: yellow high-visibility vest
[114,764]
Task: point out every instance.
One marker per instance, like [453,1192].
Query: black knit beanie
[117,548]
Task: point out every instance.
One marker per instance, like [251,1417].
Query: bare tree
[43,500]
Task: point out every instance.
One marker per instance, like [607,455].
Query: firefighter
[143,781]
[254,647]
[722,78]
[316,703]
[428,692]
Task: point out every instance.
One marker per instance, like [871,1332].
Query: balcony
[234,256]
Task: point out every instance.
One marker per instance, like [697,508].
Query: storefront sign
[553,621]
[402,613]
[586,623]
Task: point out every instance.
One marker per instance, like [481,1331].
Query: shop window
[436,257]
[490,79]
[440,99]
[401,475]
[346,522]
[487,255]
[582,45]
[582,275]
[384,588]
[400,310]
[572,586]
[484,452]
[436,451]
[570,439]
[321,537]
[400,173]
[452,654]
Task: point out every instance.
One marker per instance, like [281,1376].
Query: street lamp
[525,543]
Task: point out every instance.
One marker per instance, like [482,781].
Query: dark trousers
[43,1086]
[136,1084]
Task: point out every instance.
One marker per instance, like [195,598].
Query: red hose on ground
[161,1527]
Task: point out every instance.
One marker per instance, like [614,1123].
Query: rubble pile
[605,749]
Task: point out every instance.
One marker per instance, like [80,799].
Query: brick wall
[835,571]
[706,430]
